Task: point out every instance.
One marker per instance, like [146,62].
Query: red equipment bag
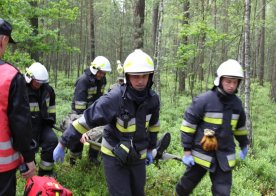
[45,186]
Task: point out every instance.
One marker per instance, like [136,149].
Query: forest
[188,40]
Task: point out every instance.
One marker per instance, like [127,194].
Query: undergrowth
[255,176]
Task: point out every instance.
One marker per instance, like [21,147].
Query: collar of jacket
[138,96]
[225,97]
[88,72]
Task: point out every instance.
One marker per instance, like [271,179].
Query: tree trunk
[138,19]
[225,30]
[155,12]
[34,23]
[273,82]
[91,32]
[247,69]
[262,44]
[182,72]
[157,49]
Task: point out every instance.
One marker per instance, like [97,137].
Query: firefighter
[43,111]
[208,130]
[15,120]
[131,115]
[120,78]
[88,88]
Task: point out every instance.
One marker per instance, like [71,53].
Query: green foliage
[50,36]
[20,59]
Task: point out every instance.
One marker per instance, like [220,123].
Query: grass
[255,176]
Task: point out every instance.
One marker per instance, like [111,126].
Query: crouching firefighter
[208,130]
[88,88]
[43,111]
[131,115]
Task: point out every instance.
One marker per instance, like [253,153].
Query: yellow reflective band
[240,132]
[234,124]
[186,129]
[147,124]
[202,162]
[154,129]
[81,129]
[216,121]
[125,148]
[129,129]
[80,107]
[107,151]
[34,109]
[46,168]
[144,155]
[52,109]
[90,93]
[232,163]
[48,102]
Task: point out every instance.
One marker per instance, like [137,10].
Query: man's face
[35,84]
[100,74]
[139,82]
[229,85]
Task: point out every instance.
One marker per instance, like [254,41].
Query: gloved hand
[59,153]
[188,160]
[243,152]
[149,159]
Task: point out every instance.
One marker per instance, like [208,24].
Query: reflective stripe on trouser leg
[76,149]
[47,166]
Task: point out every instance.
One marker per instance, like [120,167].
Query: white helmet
[38,72]
[100,63]
[138,62]
[230,68]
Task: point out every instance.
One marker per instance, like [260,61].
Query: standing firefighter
[208,130]
[88,88]
[131,115]
[15,120]
[43,110]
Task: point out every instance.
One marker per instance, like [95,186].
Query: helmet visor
[41,81]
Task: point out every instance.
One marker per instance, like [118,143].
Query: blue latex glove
[243,152]
[59,153]
[149,159]
[188,160]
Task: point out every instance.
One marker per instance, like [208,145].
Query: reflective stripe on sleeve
[52,109]
[188,127]
[80,125]
[155,128]
[241,132]
[80,105]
